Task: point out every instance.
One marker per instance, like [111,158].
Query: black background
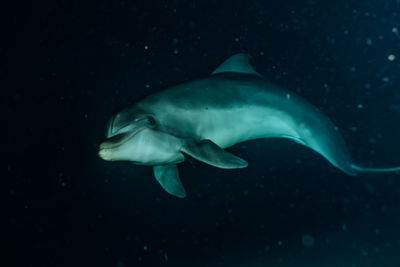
[66,66]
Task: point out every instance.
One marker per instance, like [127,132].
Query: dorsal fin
[237,63]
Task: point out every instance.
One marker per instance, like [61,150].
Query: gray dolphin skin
[203,117]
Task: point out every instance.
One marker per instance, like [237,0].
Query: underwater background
[67,66]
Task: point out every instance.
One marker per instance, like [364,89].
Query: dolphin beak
[107,147]
[105,154]
[105,151]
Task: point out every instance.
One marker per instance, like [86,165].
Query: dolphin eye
[151,121]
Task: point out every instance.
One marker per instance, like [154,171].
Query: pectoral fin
[210,153]
[168,177]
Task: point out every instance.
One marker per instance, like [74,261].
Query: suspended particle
[308,241]
[391,57]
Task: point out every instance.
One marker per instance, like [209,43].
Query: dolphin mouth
[118,140]
[107,147]
[115,141]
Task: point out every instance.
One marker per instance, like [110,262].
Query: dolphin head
[124,134]
[134,135]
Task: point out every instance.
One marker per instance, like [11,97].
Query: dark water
[68,65]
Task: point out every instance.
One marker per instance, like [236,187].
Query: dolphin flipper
[168,177]
[210,153]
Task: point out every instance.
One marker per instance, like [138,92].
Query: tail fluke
[361,169]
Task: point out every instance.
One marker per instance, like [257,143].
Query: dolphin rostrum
[201,118]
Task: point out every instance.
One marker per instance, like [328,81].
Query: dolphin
[203,117]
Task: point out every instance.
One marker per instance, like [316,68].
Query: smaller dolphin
[201,118]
